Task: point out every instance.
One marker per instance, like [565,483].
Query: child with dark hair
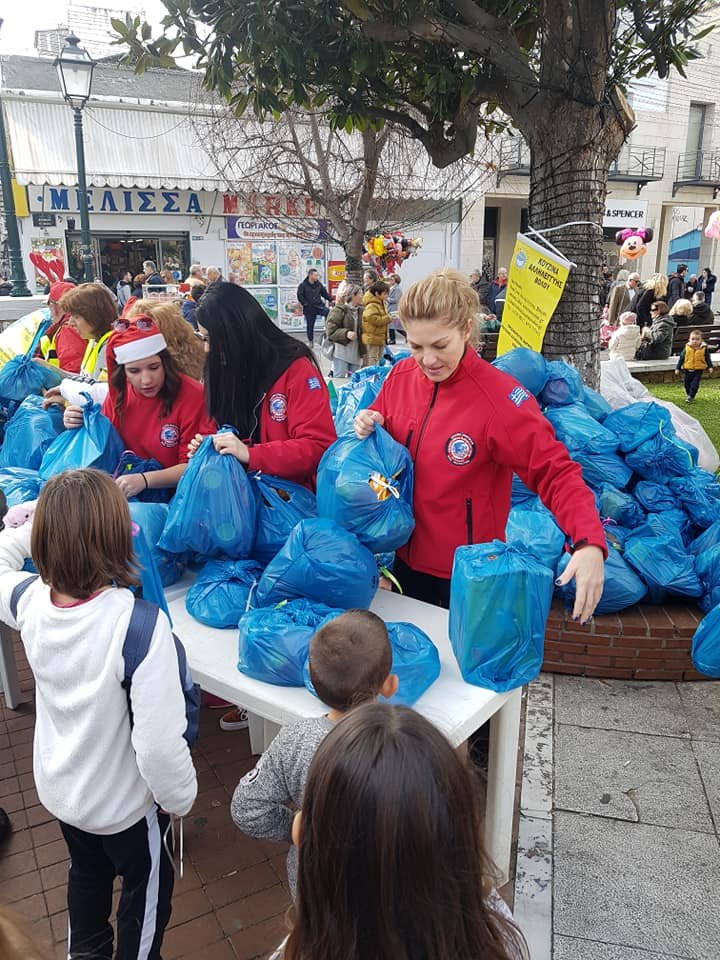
[350,661]
[390,863]
[107,761]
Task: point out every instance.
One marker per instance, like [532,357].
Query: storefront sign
[244,228]
[336,275]
[535,284]
[117,200]
[625,213]
[268,205]
[44,219]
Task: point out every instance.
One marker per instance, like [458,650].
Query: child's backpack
[135,648]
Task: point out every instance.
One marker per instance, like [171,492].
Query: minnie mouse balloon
[633,241]
[712,230]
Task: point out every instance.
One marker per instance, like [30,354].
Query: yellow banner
[535,284]
[20,198]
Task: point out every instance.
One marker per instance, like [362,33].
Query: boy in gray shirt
[349,662]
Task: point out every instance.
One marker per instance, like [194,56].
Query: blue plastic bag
[324,563]
[534,530]
[600,468]
[579,431]
[415,662]
[708,538]
[281,505]
[223,592]
[20,485]
[596,404]
[95,444]
[662,456]
[151,587]
[638,422]
[622,587]
[274,642]
[705,650]
[131,463]
[358,394]
[214,509]
[519,492]
[707,567]
[366,487]
[663,567]
[151,517]
[699,495]
[667,523]
[29,433]
[619,506]
[654,497]
[564,385]
[499,603]
[527,366]
[21,376]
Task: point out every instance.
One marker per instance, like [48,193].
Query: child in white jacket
[626,339]
[111,780]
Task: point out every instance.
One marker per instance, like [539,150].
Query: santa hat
[58,289]
[133,340]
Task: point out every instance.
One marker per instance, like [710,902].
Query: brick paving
[232,900]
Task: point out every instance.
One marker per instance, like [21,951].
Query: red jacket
[296,426]
[467,436]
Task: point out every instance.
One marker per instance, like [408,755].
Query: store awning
[123,147]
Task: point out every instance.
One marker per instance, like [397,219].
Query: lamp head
[75,67]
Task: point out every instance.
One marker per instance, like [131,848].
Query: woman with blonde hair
[654,288]
[183,346]
[468,427]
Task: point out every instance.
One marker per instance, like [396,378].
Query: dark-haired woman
[156,409]
[265,384]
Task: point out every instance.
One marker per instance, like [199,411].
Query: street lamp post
[75,70]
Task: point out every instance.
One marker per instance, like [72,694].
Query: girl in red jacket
[264,383]
[469,427]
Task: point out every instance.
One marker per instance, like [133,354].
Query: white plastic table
[455,707]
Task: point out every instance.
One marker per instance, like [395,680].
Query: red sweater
[467,436]
[70,348]
[296,426]
[150,434]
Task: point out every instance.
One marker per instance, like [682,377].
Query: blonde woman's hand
[351,335]
[73,418]
[365,421]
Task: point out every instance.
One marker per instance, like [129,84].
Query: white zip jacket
[92,769]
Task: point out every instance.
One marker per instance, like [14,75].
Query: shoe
[235,719]
[5,826]
[688,399]
[214,703]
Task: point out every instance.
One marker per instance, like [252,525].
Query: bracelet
[145,480]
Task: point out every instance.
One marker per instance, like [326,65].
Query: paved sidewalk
[618,853]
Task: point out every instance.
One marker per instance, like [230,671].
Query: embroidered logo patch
[518,395]
[460,449]
[278,407]
[169,434]
[313,383]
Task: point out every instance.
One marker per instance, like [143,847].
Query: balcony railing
[638,165]
[514,158]
[700,168]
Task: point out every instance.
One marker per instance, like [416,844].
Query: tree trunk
[353,257]
[570,158]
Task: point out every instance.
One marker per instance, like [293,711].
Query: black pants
[139,857]
[310,314]
[422,586]
[692,382]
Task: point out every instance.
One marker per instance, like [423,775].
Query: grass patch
[705,408]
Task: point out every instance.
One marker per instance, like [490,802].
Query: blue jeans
[343,368]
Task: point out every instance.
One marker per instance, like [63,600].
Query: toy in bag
[358,394]
[699,495]
[597,405]
[151,587]
[151,517]
[274,642]
[223,591]
[622,587]
[579,431]
[532,528]
[322,562]
[415,662]
[29,433]
[366,486]
[705,651]
[281,505]
[638,422]
[21,376]
[662,456]
[600,468]
[527,366]
[654,497]
[499,603]
[619,506]
[214,509]
[16,338]
[20,485]
[95,444]
[131,463]
[564,385]
[663,567]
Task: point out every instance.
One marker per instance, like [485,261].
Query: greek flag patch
[518,395]
[313,383]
